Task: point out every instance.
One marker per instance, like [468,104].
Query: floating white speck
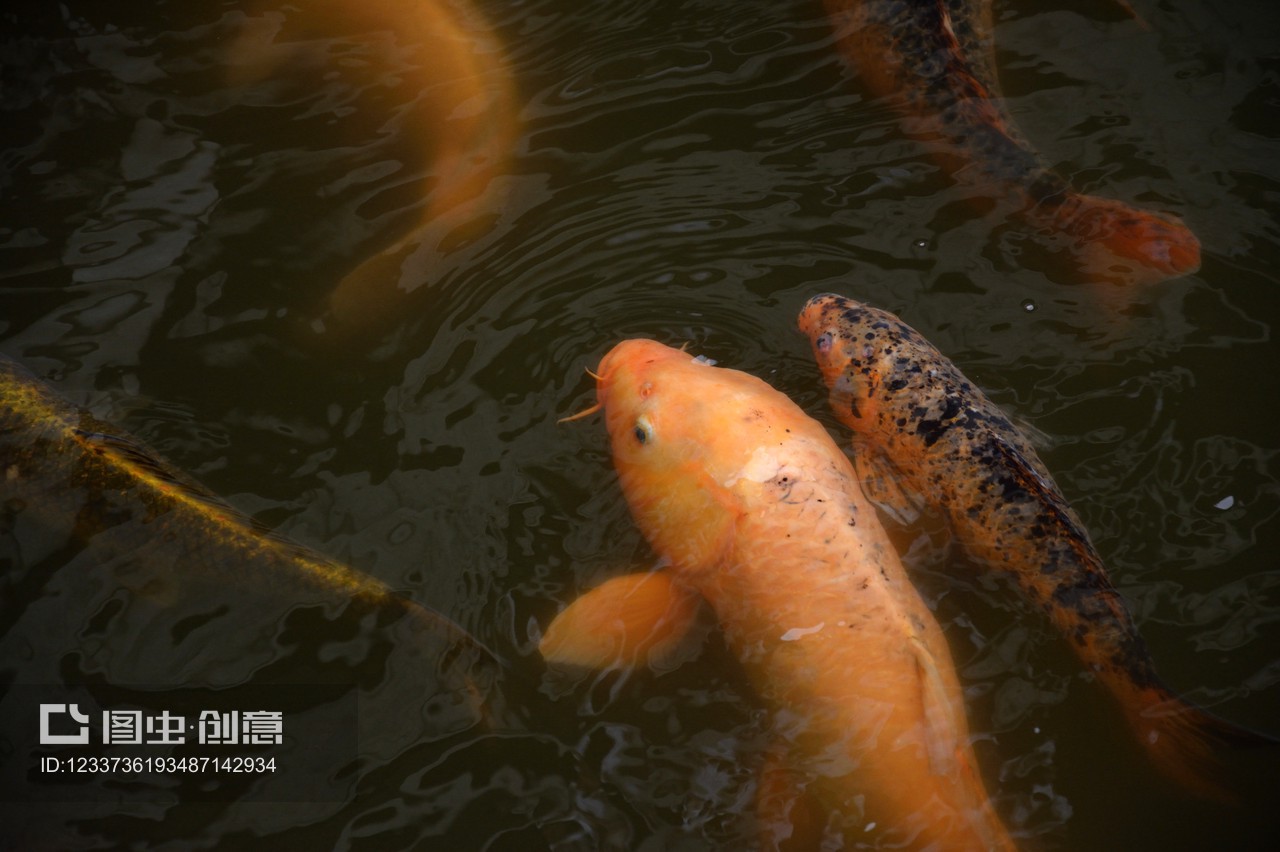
[870,826]
[703,359]
[1225,503]
[796,632]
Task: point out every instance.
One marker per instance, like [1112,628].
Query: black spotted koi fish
[934,60]
[908,405]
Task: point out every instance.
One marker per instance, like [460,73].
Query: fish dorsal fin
[882,483]
[941,733]
[1036,480]
[632,619]
[127,458]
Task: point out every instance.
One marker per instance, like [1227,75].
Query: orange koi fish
[934,59]
[756,511]
[911,408]
[466,109]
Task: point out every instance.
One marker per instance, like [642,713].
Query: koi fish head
[683,433]
[855,346]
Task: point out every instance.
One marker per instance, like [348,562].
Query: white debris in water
[870,827]
[703,359]
[1225,503]
[796,632]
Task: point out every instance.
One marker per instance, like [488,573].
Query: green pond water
[688,170]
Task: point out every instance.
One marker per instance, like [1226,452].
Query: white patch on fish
[797,632]
[761,467]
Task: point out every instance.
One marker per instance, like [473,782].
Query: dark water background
[690,171]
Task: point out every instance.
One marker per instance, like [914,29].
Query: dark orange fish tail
[1185,741]
[1112,239]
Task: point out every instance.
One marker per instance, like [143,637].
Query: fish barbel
[757,512]
[935,62]
[942,438]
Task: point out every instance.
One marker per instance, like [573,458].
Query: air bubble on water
[1225,503]
[1028,305]
[921,244]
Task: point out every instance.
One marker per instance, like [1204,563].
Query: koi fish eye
[643,431]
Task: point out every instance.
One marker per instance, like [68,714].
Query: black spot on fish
[931,430]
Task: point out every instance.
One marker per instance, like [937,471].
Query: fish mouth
[629,359]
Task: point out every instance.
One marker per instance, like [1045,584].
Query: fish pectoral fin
[632,619]
[882,484]
[941,732]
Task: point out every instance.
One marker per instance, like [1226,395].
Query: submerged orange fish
[464,108]
[754,509]
[935,60]
[908,405]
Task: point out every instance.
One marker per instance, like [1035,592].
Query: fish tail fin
[1185,743]
[1114,240]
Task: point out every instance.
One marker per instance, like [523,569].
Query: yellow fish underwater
[754,509]
[464,109]
[908,405]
